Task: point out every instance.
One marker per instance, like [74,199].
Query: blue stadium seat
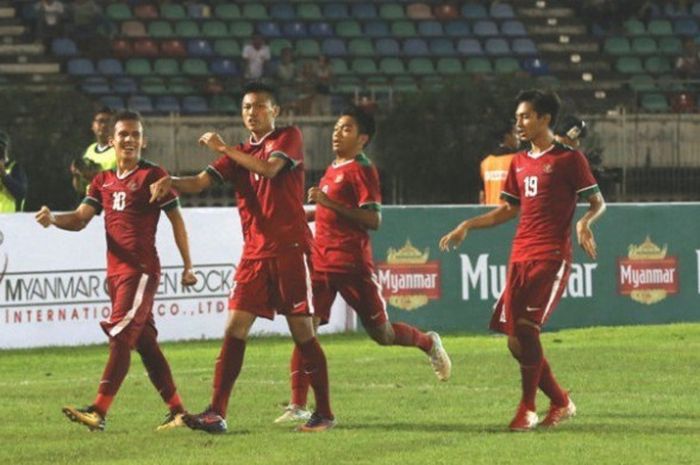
[64,47]
[485,28]
[387,47]
[363,11]
[95,85]
[195,10]
[474,11]
[140,103]
[377,28]
[457,29]
[336,11]
[194,104]
[442,47]
[501,10]
[282,11]
[268,29]
[223,67]
[470,47]
[524,46]
[112,101]
[496,46]
[80,67]
[124,85]
[320,29]
[695,9]
[294,29]
[430,29]
[167,104]
[334,47]
[199,48]
[686,27]
[110,67]
[415,47]
[535,67]
[513,28]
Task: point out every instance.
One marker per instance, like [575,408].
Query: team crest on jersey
[339,178]
[548,168]
[132,185]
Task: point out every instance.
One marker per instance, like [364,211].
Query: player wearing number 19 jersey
[543,185]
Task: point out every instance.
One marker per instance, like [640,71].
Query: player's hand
[586,239]
[454,238]
[44,217]
[188,277]
[316,195]
[213,140]
[160,188]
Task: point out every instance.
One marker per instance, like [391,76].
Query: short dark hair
[544,103]
[126,115]
[364,120]
[103,111]
[258,87]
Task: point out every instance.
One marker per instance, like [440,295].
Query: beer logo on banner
[409,281]
[647,274]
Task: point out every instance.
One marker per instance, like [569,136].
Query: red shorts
[533,290]
[132,301]
[361,291]
[267,286]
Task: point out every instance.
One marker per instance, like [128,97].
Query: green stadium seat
[187,29]
[118,12]
[617,46]
[180,86]
[153,85]
[670,46]
[173,11]
[339,66]
[404,84]
[449,66]
[644,45]
[403,29]
[361,47]
[308,48]
[421,66]
[670,83]
[348,85]
[657,65]
[348,29]
[392,66]
[364,66]
[634,27]
[478,65]
[227,11]
[195,67]
[378,83]
[254,11]
[227,48]
[391,11]
[133,28]
[506,65]
[166,67]
[629,65]
[224,104]
[241,29]
[654,102]
[215,29]
[160,30]
[642,83]
[277,45]
[660,27]
[432,82]
[309,11]
[138,67]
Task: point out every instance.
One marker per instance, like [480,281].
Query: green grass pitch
[636,388]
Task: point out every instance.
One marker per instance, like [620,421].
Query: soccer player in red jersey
[348,202]
[273,275]
[133,267]
[542,186]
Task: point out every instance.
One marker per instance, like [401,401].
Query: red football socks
[548,384]
[158,369]
[406,335]
[114,373]
[530,363]
[227,369]
[299,379]
[315,367]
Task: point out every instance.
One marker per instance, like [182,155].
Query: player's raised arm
[584,234]
[73,221]
[183,245]
[184,185]
[266,168]
[497,216]
[367,218]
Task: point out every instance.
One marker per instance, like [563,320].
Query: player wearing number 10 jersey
[543,185]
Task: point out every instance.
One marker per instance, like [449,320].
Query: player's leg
[316,368]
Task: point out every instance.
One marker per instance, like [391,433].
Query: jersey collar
[538,155]
[254,143]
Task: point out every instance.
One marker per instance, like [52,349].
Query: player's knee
[514,347]
[381,336]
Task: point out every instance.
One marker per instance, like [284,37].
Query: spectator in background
[286,75]
[13,180]
[99,156]
[323,73]
[49,19]
[688,64]
[256,54]
[494,167]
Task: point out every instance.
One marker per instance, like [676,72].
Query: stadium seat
[199,48]
[167,104]
[391,66]
[657,65]
[348,85]
[469,47]
[506,65]
[118,12]
[364,66]
[195,67]
[654,102]
[268,29]
[617,46]
[535,66]
[309,11]
[112,101]
[227,11]
[403,29]
[361,47]
[457,29]
[215,29]
[415,47]
[391,11]
[223,104]
[673,10]
[339,67]
[254,11]
[404,84]
[227,48]
[241,29]
[64,47]
[277,45]
[419,11]
[308,48]
[695,9]
[377,28]
[446,12]
[146,11]
[320,29]
[166,67]
[660,27]
[80,67]
[172,11]
[333,47]
[110,67]
[363,11]
[645,45]
[348,29]
[430,29]
[449,66]
[198,11]
[146,48]
[500,10]
[388,47]
[187,29]
[442,47]
[336,11]
[180,86]
[153,85]
[122,48]
[686,27]
[133,28]
[282,11]
[140,103]
[629,65]
[378,84]
[224,67]
[670,83]
[642,83]
[513,28]
[421,66]
[173,48]
[670,46]
[496,46]
[634,27]
[478,66]
[485,28]
[548,82]
[524,46]
[138,67]
[95,85]
[160,30]
[474,11]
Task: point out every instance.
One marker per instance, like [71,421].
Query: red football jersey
[343,245]
[547,186]
[130,219]
[271,210]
